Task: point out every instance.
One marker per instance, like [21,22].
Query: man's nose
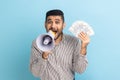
[53,25]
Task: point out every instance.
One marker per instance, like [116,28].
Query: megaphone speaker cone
[45,42]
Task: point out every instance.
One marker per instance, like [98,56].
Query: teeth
[53,32]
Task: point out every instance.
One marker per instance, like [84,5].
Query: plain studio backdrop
[21,21]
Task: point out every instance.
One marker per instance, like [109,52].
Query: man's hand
[45,55]
[84,39]
[84,42]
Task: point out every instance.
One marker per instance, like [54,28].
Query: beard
[57,35]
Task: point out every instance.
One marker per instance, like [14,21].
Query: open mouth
[54,31]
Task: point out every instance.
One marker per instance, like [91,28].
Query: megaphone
[45,42]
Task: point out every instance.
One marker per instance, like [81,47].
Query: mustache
[52,29]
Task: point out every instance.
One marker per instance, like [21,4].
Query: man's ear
[64,25]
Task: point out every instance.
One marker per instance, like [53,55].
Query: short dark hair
[55,12]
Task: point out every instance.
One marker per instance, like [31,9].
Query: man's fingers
[82,35]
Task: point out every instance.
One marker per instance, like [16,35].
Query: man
[68,55]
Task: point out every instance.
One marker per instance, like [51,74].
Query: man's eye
[57,22]
[49,22]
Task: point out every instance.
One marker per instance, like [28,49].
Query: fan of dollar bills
[81,26]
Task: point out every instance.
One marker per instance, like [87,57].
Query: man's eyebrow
[57,19]
[48,19]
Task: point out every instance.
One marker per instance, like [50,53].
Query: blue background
[21,21]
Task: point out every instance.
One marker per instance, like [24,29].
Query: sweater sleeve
[79,61]
[37,63]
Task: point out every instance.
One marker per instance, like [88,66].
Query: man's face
[56,24]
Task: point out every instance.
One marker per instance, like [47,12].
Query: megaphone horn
[45,42]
